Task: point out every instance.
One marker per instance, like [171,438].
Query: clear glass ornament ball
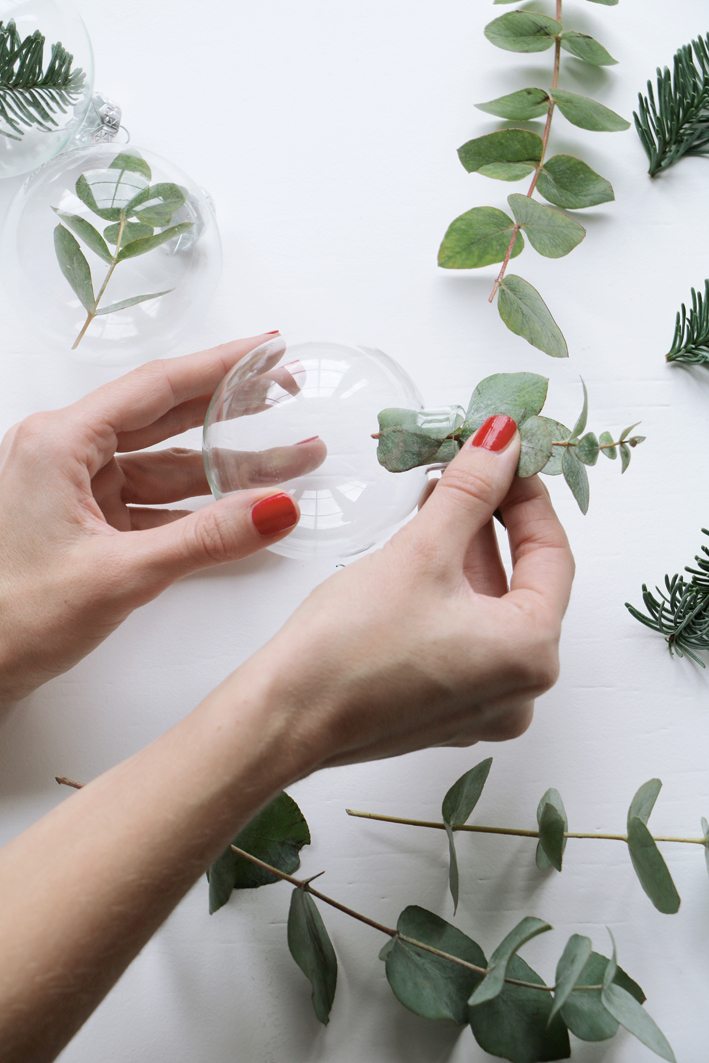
[178,276]
[302,418]
[37,123]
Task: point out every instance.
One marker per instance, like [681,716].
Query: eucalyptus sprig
[32,94]
[436,970]
[486,235]
[672,119]
[140,216]
[690,343]
[409,438]
[680,612]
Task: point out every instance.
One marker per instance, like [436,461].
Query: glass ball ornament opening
[302,418]
[111,253]
[46,81]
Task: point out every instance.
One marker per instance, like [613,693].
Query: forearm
[85,888]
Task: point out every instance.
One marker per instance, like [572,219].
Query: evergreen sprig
[410,438]
[680,612]
[31,95]
[672,120]
[690,343]
[486,235]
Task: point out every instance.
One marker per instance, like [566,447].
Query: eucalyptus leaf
[518,395]
[523,31]
[560,434]
[156,204]
[624,456]
[525,313]
[576,477]
[587,113]
[477,238]
[74,266]
[631,1015]
[132,230]
[427,984]
[507,171]
[586,48]
[276,835]
[605,442]
[536,436]
[569,182]
[550,232]
[141,245]
[124,304]
[84,229]
[583,1011]
[582,420]
[626,431]
[107,192]
[132,161]
[519,106]
[644,800]
[311,948]
[651,869]
[607,3]
[517,1024]
[553,824]
[587,449]
[507,145]
[572,962]
[464,794]
[493,982]
[400,449]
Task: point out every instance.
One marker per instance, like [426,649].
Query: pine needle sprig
[690,343]
[672,120]
[31,96]
[680,612]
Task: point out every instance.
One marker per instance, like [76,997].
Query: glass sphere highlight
[110,202]
[302,418]
[41,115]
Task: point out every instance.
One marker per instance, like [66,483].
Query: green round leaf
[311,948]
[569,182]
[536,436]
[587,113]
[519,106]
[587,449]
[477,238]
[574,958]
[553,824]
[623,1007]
[583,1011]
[560,434]
[651,869]
[493,983]
[576,477]
[523,31]
[519,395]
[605,442]
[586,48]
[506,171]
[505,146]
[550,232]
[525,313]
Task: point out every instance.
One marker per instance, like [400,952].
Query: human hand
[84,537]
[423,643]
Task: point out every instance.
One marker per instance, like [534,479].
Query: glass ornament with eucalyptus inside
[46,82]
[122,247]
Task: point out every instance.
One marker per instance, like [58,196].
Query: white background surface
[327,135]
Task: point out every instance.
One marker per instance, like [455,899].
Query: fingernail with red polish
[274,514]
[310,439]
[274,332]
[495,433]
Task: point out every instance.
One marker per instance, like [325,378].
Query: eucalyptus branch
[486,235]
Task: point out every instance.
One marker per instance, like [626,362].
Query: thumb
[472,487]
[234,527]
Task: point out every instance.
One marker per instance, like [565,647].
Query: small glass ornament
[46,82]
[304,418]
[111,253]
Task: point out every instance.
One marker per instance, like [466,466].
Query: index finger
[542,562]
[144,395]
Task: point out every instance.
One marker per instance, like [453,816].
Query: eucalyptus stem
[91,315]
[391,932]
[513,831]
[538,168]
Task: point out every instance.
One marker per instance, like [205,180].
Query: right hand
[422,643]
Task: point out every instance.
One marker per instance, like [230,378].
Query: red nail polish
[275,332]
[310,439]
[274,514]
[495,433]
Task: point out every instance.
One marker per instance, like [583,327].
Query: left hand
[84,538]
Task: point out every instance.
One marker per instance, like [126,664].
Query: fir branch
[680,612]
[690,343]
[672,120]
[31,95]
